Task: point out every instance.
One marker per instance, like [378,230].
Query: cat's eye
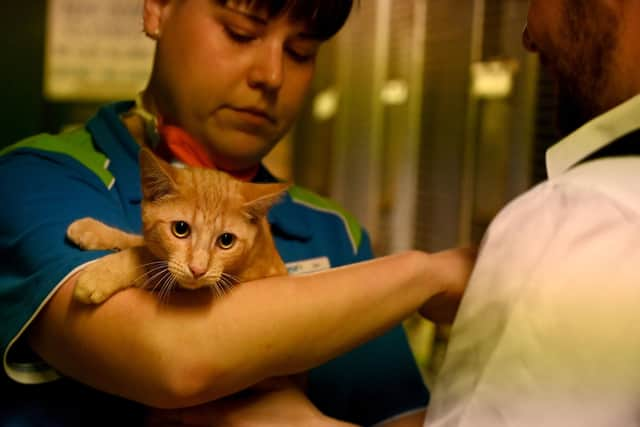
[180,229]
[226,240]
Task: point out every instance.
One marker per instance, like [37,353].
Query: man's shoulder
[590,200]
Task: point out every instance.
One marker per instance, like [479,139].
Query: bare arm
[282,407]
[197,348]
[414,419]
[287,406]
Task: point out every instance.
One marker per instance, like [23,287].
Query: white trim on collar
[593,136]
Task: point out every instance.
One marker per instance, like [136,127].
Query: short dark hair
[324,18]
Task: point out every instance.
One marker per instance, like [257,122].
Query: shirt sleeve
[547,333]
[41,193]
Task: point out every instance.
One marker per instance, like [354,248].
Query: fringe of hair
[323,17]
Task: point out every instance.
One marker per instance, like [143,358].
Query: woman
[228,80]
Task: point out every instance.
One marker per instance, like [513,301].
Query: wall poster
[95,50]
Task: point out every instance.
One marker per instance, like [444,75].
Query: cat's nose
[197,271]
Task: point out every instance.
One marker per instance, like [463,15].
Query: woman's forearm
[196,347]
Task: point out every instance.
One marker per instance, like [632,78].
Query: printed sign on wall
[95,50]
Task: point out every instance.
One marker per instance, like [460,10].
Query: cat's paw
[88,291]
[82,233]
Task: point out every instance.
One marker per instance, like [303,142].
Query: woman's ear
[153,17]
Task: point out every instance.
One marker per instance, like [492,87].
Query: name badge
[306,266]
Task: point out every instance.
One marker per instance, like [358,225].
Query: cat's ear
[261,197]
[155,176]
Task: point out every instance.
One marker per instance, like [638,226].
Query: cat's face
[203,223]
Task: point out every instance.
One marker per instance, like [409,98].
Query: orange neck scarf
[174,143]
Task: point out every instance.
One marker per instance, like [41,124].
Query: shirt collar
[593,136]
[113,138]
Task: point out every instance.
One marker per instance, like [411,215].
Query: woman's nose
[267,71]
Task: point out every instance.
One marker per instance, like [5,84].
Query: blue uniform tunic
[48,181]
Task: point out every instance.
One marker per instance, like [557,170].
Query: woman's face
[229,75]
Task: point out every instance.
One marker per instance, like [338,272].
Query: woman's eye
[180,229]
[239,36]
[301,57]
[302,54]
[226,240]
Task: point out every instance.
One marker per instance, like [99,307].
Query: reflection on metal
[493,79]
[357,149]
[403,216]
[325,104]
[380,72]
[394,92]
[421,146]
[469,154]
[375,152]
[499,127]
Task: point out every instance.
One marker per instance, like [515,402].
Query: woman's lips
[254,115]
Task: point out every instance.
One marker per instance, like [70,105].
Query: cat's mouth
[190,286]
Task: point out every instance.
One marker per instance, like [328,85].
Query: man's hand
[454,269]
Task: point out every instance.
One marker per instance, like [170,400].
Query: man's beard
[583,64]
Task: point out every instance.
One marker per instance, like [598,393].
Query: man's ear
[154,14]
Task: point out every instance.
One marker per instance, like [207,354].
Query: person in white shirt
[548,331]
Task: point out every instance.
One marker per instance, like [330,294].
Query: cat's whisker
[223,284]
[228,281]
[171,285]
[178,273]
[153,269]
[154,276]
[168,280]
[157,282]
[166,286]
[150,275]
[155,262]
[233,279]
[152,265]
[218,288]
[163,284]
[160,266]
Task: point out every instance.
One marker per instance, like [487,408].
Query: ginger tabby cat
[201,228]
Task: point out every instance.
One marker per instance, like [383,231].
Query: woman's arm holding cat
[283,407]
[197,348]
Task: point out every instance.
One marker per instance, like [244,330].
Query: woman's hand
[453,269]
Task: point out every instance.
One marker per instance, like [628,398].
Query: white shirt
[548,332]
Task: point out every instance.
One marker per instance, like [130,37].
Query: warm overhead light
[325,104]
[395,92]
[493,79]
